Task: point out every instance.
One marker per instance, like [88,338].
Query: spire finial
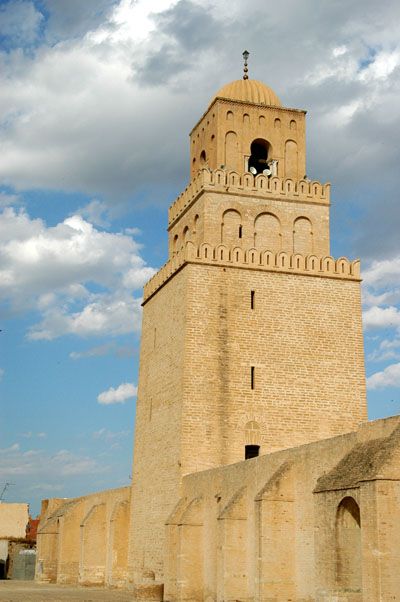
[245,69]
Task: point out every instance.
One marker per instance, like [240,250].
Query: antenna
[6,486]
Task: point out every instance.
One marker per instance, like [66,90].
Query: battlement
[248,185]
[309,265]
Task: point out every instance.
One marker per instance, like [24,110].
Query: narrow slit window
[252,298]
[251,451]
[240,231]
[252,375]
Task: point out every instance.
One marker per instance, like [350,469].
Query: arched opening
[348,545]
[175,244]
[203,157]
[258,160]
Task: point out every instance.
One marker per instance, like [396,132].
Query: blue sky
[96,102]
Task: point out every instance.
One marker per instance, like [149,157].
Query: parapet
[307,265]
[246,184]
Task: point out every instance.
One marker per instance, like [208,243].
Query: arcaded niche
[256,475]
[85,540]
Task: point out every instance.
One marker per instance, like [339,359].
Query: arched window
[203,157]
[348,545]
[258,160]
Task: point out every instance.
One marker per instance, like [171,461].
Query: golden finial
[245,69]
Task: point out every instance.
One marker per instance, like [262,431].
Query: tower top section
[246,129]
[249,91]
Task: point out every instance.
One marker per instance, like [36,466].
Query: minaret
[252,338]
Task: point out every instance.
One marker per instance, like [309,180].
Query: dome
[249,90]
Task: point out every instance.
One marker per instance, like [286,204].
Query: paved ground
[29,591]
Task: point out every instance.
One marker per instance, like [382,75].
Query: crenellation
[246,184]
[222,255]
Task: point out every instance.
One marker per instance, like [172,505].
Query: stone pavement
[29,591]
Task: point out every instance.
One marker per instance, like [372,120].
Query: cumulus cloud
[53,269]
[389,377]
[381,317]
[132,74]
[119,395]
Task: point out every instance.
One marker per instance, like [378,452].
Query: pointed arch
[348,545]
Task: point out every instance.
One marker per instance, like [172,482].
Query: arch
[348,545]
[282,260]
[231,146]
[328,264]
[246,119]
[203,157]
[343,266]
[261,120]
[277,123]
[297,262]
[267,232]
[119,529]
[222,253]
[93,546]
[259,153]
[302,236]
[196,223]
[268,259]
[312,263]
[253,257]
[293,124]
[206,251]
[229,116]
[175,243]
[291,159]
[237,255]
[231,222]
[186,234]
[252,433]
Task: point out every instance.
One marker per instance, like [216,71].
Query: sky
[96,102]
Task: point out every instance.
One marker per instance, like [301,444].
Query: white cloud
[52,270]
[381,317]
[119,395]
[41,464]
[110,436]
[383,273]
[389,377]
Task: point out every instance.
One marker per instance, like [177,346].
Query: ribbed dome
[249,90]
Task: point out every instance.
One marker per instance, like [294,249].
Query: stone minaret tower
[251,337]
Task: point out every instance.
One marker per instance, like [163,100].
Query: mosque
[257,476]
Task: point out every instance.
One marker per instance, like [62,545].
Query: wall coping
[260,186]
[266,261]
